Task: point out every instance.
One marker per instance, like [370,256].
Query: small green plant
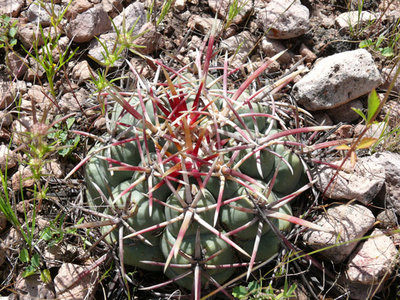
[33,266]
[256,291]
[386,51]
[61,135]
[45,55]
[8,32]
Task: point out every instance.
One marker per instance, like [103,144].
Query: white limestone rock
[346,223]
[284,19]
[361,182]
[337,79]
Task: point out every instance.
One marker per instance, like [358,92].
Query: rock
[271,47]
[3,225]
[35,71]
[29,34]
[150,39]
[352,19]
[347,222]
[133,15]
[6,94]
[54,168]
[240,45]
[73,101]
[88,24]
[392,109]
[2,259]
[8,158]
[112,7]
[344,113]
[78,7]
[284,19]
[390,194]
[70,284]
[11,241]
[221,7]
[39,12]
[11,7]
[22,178]
[5,119]
[180,5]
[337,79]
[97,51]
[19,127]
[203,24]
[390,8]
[17,65]
[361,183]
[372,260]
[387,219]
[375,130]
[307,53]
[81,71]
[32,287]
[388,76]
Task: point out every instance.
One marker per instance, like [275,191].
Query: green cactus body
[286,181]
[264,158]
[208,216]
[97,171]
[210,245]
[230,187]
[269,245]
[126,119]
[186,143]
[162,192]
[232,217]
[136,205]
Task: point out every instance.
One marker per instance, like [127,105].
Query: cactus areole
[191,168]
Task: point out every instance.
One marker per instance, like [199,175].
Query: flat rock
[149,38]
[70,284]
[8,158]
[346,223]
[344,113]
[29,34]
[6,94]
[134,15]
[41,12]
[81,71]
[284,19]
[241,45]
[97,51]
[353,19]
[88,24]
[221,7]
[17,65]
[390,194]
[22,178]
[203,24]
[372,259]
[337,79]
[11,7]
[32,287]
[73,101]
[271,47]
[388,76]
[361,183]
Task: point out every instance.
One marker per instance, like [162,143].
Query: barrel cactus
[194,170]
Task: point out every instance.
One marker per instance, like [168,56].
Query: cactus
[195,169]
